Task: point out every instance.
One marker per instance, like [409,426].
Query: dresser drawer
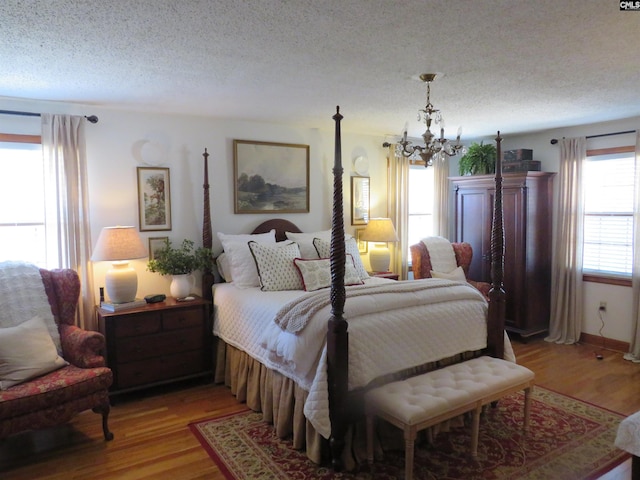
[136,348]
[164,367]
[183,318]
[140,324]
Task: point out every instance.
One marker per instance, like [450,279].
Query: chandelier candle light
[119,245]
[381,231]
[434,147]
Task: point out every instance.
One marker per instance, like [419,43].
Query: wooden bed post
[207,275]
[497,297]
[337,335]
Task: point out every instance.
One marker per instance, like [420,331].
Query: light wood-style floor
[153,441]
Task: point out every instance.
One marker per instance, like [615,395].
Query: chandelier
[434,147]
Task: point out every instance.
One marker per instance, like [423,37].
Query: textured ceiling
[512,65]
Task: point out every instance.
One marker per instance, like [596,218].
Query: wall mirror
[359,200]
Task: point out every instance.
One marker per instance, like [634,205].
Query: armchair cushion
[26,351]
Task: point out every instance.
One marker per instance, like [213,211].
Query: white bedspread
[382,340]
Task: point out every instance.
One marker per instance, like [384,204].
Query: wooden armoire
[527,206]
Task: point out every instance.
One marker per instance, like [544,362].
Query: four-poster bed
[293,398]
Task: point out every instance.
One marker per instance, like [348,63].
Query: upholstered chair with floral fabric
[421,263]
[55,397]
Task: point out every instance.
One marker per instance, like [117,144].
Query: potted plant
[180,262]
[480,159]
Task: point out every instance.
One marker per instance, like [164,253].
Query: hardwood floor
[152,438]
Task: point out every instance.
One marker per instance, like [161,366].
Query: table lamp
[119,245]
[381,231]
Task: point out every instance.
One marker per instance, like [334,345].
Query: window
[420,204]
[608,181]
[22,216]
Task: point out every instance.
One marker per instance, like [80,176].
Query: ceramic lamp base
[379,258]
[121,282]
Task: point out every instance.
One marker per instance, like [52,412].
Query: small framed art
[154,199]
[270,177]
[155,244]
[363,245]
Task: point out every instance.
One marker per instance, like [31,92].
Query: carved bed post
[497,297]
[337,335]
[207,275]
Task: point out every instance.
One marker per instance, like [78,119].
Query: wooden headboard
[280,225]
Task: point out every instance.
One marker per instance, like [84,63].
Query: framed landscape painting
[270,177]
[154,199]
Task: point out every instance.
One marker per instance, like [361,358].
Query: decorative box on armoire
[527,207]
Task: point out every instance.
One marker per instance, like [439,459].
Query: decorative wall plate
[361,165]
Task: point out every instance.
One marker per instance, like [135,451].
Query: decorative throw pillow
[305,241]
[316,274]
[242,266]
[27,351]
[457,275]
[323,247]
[274,263]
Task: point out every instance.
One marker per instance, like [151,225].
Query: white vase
[180,285]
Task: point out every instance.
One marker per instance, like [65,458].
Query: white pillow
[457,274]
[242,266]
[274,263]
[27,351]
[323,247]
[224,267]
[316,274]
[305,241]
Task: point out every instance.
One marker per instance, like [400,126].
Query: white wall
[123,140]
[617,319]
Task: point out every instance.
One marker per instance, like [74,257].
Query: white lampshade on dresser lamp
[380,231]
[119,245]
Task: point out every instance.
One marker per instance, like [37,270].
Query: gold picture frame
[270,177]
[154,199]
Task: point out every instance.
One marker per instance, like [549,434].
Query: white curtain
[67,205]
[398,208]
[634,347]
[566,281]
[441,197]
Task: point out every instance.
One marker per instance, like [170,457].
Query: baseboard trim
[607,343]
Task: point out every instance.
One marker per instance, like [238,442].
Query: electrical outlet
[603,306]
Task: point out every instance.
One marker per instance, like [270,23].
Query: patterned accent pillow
[323,247]
[275,265]
[316,274]
[305,241]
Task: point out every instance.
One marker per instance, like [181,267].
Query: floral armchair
[421,263]
[54,398]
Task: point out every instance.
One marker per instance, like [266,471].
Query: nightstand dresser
[389,275]
[157,343]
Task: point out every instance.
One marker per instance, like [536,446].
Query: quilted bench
[425,400]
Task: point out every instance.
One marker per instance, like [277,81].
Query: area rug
[568,439]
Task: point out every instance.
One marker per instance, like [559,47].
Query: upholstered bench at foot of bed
[425,400]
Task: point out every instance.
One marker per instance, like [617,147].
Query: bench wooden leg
[409,446]
[527,405]
[370,439]
[475,430]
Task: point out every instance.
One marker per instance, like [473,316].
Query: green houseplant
[480,159]
[180,262]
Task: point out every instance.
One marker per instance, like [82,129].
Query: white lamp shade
[379,230]
[119,245]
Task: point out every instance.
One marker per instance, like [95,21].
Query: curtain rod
[90,118]
[555,140]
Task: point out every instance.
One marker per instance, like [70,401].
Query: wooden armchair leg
[104,411]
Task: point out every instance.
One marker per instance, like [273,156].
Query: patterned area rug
[568,439]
